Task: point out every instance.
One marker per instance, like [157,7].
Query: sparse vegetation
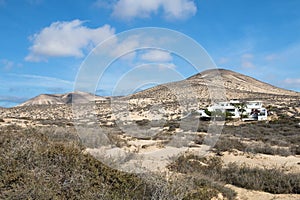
[279,137]
[272,180]
[50,163]
[36,166]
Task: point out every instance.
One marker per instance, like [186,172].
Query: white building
[254,110]
[224,107]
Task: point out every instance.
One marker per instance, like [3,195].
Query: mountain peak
[212,73]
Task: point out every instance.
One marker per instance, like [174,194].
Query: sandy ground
[244,194]
[154,158]
[150,156]
[289,164]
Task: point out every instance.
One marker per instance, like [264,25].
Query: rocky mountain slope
[217,84]
[236,82]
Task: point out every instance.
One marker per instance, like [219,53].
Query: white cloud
[166,66]
[247,61]
[26,81]
[7,64]
[115,47]
[103,4]
[172,9]
[271,57]
[247,64]
[44,79]
[126,46]
[247,56]
[292,81]
[63,39]
[223,60]
[157,56]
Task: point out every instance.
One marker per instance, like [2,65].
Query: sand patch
[288,164]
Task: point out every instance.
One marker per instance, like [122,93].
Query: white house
[256,111]
[253,109]
[226,107]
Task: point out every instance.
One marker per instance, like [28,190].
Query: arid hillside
[216,84]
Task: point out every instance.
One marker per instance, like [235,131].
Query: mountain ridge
[236,85]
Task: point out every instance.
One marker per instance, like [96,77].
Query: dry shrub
[272,180]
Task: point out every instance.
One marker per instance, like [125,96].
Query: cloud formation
[292,81]
[6,64]
[247,64]
[43,80]
[65,39]
[171,9]
[157,56]
[247,61]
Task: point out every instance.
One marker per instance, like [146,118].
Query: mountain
[210,84]
[238,82]
[44,99]
[216,83]
[68,98]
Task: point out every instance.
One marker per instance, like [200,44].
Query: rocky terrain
[215,84]
[156,131]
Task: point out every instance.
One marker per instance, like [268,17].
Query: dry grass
[49,163]
[272,180]
[278,137]
[35,166]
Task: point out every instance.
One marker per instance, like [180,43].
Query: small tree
[241,108]
[218,114]
[228,115]
[207,112]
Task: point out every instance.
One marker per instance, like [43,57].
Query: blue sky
[44,42]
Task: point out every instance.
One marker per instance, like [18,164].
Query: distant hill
[55,99]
